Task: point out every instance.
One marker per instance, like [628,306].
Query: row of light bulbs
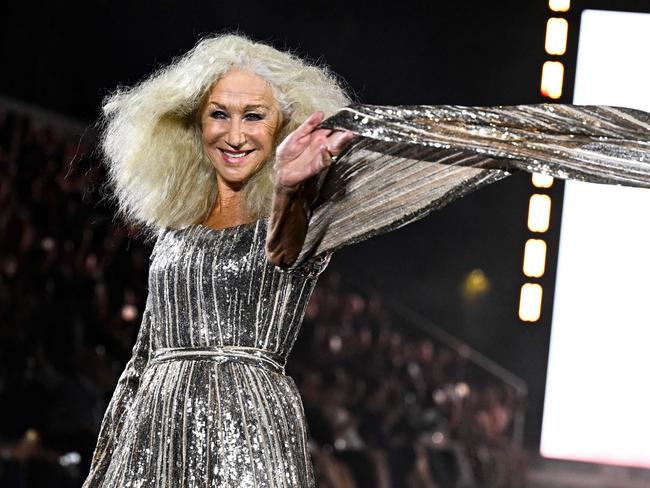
[557,33]
[539,206]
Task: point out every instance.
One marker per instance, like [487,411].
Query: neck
[228,210]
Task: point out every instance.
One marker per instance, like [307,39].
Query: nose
[235,137]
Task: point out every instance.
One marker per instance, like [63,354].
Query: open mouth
[235,156]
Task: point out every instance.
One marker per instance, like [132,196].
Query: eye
[218,114]
[252,116]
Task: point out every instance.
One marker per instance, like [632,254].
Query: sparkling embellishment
[203,401]
[230,417]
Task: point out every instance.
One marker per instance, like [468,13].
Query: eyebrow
[246,107]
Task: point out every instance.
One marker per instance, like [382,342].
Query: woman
[220,157]
[204,401]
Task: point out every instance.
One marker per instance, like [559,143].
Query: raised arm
[408,161]
[304,154]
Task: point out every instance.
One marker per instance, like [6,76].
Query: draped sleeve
[408,161]
[120,405]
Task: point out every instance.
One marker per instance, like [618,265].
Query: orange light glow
[552,79]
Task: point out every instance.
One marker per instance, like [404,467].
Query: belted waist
[221,354]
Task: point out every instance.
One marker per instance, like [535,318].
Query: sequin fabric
[204,402]
[407,161]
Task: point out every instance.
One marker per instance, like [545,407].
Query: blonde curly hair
[151,134]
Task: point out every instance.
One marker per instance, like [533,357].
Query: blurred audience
[387,405]
[391,406]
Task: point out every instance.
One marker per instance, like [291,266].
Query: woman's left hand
[307,151]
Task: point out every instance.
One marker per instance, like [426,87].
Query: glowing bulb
[476,283]
[542,181]
[552,79]
[539,213]
[556,36]
[559,5]
[530,302]
[534,258]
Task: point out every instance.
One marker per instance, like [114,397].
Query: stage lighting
[542,181]
[539,213]
[559,5]
[594,409]
[534,258]
[557,30]
[552,79]
[530,302]
[476,283]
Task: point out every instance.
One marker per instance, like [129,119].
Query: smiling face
[239,122]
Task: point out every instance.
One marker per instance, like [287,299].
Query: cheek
[210,134]
[265,134]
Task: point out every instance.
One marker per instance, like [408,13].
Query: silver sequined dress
[204,402]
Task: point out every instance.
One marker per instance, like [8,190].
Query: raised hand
[307,151]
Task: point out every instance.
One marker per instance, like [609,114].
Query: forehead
[240,88]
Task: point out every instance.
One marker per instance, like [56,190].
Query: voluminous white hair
[151,134]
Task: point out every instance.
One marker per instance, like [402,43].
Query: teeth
[235,155]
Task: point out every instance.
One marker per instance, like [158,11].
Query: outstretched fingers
[307,151]
[308,126]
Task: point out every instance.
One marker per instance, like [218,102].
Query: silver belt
[238,354]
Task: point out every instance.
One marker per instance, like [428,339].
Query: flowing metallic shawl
[408,161]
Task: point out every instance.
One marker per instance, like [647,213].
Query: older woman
[217,156]
[191,151]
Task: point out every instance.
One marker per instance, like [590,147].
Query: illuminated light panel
[539,213]
[601,306]
[530,302]
[556,35]
[542,181]
[552,79]
[534,258]
[559,5]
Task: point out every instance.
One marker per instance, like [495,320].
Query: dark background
[66,56]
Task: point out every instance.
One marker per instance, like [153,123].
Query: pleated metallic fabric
[407,161]
[204,401]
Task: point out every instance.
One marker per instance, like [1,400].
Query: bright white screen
[597,405]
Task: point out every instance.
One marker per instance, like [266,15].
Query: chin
[234,178]
[238,175]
